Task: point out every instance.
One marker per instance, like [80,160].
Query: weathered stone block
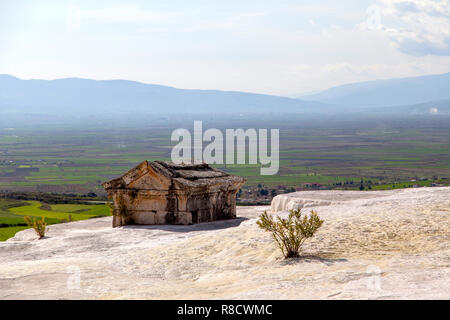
[146,217]
[160,218]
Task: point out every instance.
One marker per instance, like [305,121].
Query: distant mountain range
[427,94]
[75,95]
[383,93]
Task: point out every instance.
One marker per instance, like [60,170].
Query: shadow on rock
[312,258]
[204,226]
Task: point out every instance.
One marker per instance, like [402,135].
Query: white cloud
[145,20]
[128,14]
[416,27]
[269,48]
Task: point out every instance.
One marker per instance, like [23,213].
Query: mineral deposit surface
[372,245]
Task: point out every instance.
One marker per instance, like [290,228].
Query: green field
[6,233]
[327,151]
[12,214]
[72,158]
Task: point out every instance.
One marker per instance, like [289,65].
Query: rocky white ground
[373,245]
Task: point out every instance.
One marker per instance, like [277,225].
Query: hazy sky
[276,47]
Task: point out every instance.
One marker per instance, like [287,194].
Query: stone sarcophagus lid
[167,193]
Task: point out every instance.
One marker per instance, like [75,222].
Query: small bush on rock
[290,233]
[39,226]
[69,219]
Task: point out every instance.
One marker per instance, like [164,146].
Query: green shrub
[39,226]
[69,219]
[290,233]
[110,206]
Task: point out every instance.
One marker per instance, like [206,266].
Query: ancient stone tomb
[167,193]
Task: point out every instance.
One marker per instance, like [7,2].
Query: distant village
[262,194]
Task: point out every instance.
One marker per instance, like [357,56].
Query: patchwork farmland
[12,213]
[320,153]
[331,153]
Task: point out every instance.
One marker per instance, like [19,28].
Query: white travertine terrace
[372,245]
[306,199]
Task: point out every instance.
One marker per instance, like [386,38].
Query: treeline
[53,198]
